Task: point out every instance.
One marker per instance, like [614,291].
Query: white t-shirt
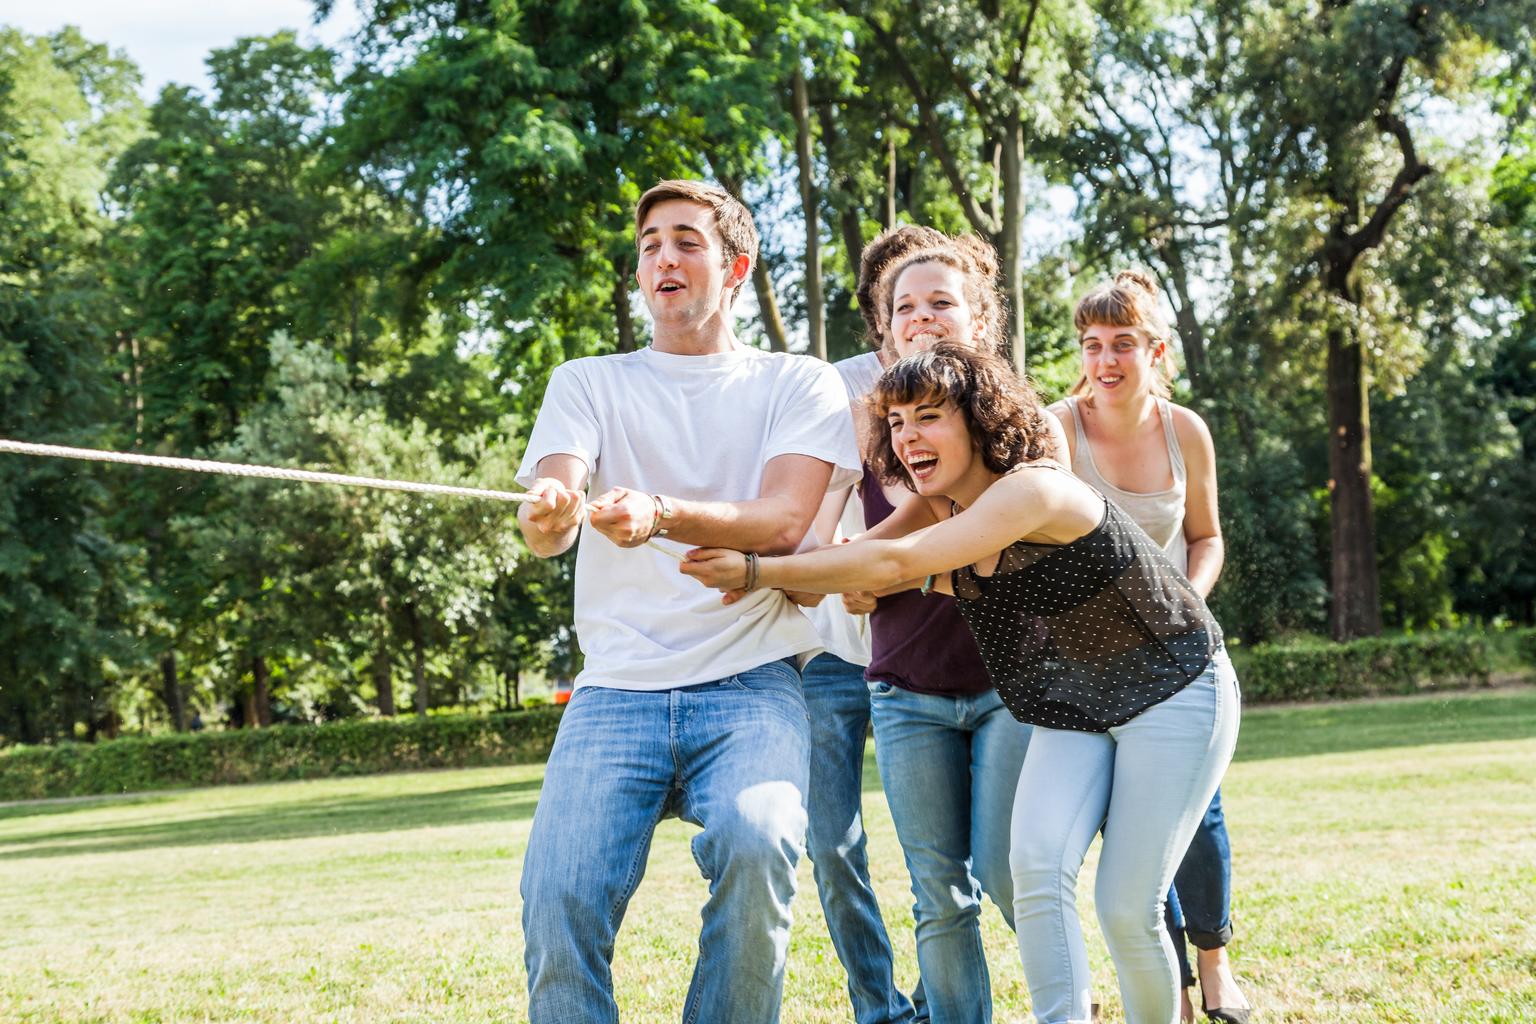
[845,635]
[690,427]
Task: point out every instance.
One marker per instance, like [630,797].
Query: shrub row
[1525,646]
[131,764]
[1314,669]
[1299,670]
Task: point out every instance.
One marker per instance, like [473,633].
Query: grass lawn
[1385,858]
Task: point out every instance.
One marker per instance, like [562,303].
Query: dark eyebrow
[655,230]
[919,408]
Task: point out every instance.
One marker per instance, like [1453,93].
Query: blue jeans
[838,701]
[1200,903]
[1146,783]
[730,756]
[950,766]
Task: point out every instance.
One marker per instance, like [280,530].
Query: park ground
[1385,855]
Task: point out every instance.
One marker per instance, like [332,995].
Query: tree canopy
[371,259]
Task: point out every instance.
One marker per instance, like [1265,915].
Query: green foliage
[1271,582]
[447,222]
[1303,670]
[134,764]
[66,109]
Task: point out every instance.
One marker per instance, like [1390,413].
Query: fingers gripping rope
[271,473]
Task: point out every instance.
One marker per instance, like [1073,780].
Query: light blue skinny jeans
[1147,783]
[730,756]
[950,766]
[838,701]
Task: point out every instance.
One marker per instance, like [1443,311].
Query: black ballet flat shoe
[1226,1016]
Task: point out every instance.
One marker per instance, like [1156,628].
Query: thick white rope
[305,476]
[240,469]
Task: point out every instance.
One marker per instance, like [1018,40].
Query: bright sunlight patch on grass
[1385,856]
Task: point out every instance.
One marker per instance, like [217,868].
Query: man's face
[682,270]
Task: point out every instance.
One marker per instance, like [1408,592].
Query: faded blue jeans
[950,766]
[1146,783]
[730,756]
[838,701]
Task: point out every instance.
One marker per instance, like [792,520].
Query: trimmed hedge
[362,747]
[1525,646]
[1312,669]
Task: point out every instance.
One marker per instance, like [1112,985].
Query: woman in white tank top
[1157,462]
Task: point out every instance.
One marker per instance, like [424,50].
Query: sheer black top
[1087,635]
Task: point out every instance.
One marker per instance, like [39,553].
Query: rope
[305,476]
[265,472]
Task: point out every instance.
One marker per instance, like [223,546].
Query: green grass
[1385,860]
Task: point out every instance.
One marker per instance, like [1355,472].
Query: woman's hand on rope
[556,508]
[624,516]
[721,568]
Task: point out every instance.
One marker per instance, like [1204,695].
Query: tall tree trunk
[517,686]
[1356,590]
[762,283]
[1011,237]
[849,221]
[1191,331]
[133,377]
[1356,608]
[768,307]
[170,692]
[888,213]
[815,305]
[418,658]
[622,271]
[261,695]
[383,663]
[383,679]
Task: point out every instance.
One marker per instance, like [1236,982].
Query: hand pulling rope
[272,473]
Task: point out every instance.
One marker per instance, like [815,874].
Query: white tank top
[1160,513]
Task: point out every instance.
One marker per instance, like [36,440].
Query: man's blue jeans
[950,766]
[730,756]
[838,701]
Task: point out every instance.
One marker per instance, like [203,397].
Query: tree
[67,106]
[983,78]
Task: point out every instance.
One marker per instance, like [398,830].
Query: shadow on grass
[75,804]
[294,819]
[1462,717]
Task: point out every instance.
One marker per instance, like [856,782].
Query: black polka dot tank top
[1087,635]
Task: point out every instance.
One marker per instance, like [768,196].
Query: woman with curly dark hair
[1090,634]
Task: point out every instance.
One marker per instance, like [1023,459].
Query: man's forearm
[768,526]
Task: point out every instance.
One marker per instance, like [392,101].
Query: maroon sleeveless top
[920,642]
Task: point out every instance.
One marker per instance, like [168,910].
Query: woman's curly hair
[976,260]
[889,246]
[1004,414]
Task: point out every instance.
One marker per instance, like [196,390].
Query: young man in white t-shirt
[685,706]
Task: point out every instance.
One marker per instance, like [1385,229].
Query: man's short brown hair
[732,219]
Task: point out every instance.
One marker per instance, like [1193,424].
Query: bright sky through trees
[170,39]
